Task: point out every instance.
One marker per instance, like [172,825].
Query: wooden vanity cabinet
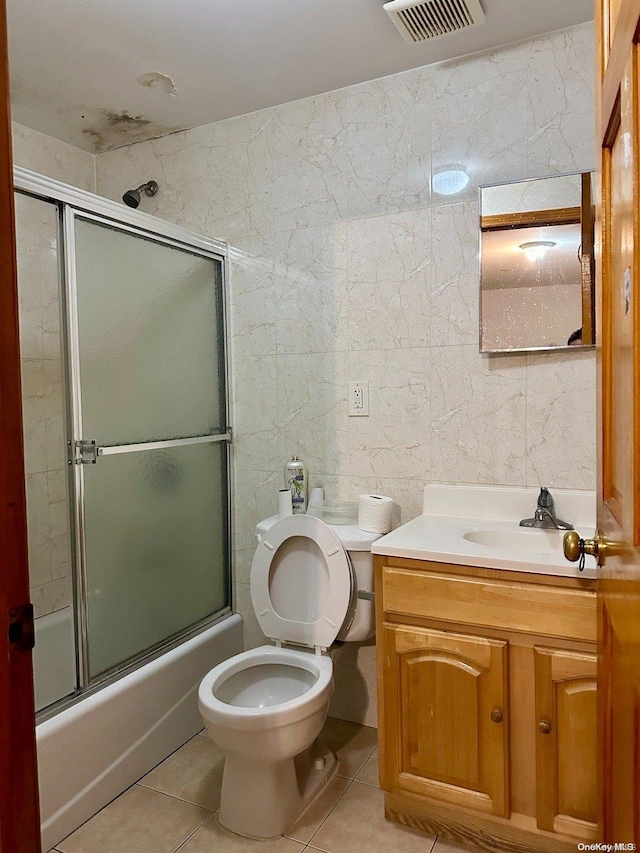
[487,704]
[566,711]
[448,695]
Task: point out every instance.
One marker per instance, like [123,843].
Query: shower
[132,197]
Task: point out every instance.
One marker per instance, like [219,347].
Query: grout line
[179,799]
[330,811]
[191,834]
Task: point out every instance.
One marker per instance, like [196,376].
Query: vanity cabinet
[487,704]
[566,711]
[451,698]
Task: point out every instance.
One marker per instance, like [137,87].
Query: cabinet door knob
[496,715]
[545,727]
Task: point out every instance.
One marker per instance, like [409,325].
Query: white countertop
[469,510]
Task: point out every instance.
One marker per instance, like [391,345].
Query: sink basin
[522,539]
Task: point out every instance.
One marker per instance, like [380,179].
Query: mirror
[536,265]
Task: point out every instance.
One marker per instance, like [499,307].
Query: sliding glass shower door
[147,355]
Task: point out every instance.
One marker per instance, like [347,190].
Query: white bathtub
[94,750]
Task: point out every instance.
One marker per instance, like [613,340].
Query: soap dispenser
[295,478]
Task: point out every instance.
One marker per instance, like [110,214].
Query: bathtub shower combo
[127,447]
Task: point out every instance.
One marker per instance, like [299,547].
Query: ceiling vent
[431,19]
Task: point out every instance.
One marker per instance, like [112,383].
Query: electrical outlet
[358,399]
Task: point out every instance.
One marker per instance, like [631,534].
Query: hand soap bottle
[295,478]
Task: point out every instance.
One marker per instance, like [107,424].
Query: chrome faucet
[545,517]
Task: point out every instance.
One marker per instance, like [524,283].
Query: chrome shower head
[132,197]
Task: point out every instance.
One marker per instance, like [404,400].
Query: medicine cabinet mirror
[536,264]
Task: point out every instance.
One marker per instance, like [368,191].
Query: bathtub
[92,751]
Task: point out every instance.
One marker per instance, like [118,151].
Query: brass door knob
[575,548]
[545,727]
[496,715]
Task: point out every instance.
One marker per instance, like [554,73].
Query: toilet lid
[301,582]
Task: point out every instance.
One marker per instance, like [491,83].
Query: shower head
[132,197]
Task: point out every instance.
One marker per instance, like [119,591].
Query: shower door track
[76,202]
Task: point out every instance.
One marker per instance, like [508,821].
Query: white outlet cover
[358,399]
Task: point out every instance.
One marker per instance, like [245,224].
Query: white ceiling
[75,63]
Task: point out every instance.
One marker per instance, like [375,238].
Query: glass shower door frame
[82,452]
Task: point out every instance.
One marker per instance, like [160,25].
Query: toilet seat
[301,582]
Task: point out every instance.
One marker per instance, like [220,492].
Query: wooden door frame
[19,809]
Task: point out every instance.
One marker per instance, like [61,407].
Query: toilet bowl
[265,707]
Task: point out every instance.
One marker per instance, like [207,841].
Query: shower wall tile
[478,417]
[389,267]
[345,264]
[47,156]
[255,412]
[560,131]
[389,144]
[305,159]
[252,297]
[383,444]
[454,291]
[561,412]
[480,121]
[312,410]
[311,289]
[41,367]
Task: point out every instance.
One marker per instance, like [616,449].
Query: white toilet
[311,584]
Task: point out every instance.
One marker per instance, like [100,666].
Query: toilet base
[263,799]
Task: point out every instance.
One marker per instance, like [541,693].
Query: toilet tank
[357,544]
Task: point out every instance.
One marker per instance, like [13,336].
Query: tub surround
[51,157]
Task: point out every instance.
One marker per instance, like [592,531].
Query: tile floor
[174,807]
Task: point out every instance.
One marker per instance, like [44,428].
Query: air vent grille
[430,19]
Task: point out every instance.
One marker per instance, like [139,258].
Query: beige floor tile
[305,827]
[213,838]
[139,820]
[193,773]
[352,743]
[358,825]
[369,773]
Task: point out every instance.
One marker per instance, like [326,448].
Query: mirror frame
[588,278]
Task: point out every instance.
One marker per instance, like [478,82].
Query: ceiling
[506,265]
[99,73]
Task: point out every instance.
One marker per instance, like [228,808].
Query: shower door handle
[87,452]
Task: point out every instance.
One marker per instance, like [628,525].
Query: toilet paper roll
[375,513]
[285,504]
[317,496]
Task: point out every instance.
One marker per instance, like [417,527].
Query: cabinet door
[446,717]
[566,747]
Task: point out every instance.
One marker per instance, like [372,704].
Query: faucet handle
[545,499]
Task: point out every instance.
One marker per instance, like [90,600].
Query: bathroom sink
[522,539]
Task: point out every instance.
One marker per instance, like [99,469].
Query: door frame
[19,805]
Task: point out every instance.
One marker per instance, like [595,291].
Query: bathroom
[333,199]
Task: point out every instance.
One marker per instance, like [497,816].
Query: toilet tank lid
[352,538]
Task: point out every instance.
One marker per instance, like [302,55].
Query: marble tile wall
[347,265]
[42,393]
[51,157]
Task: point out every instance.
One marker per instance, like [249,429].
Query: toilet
[311,586]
